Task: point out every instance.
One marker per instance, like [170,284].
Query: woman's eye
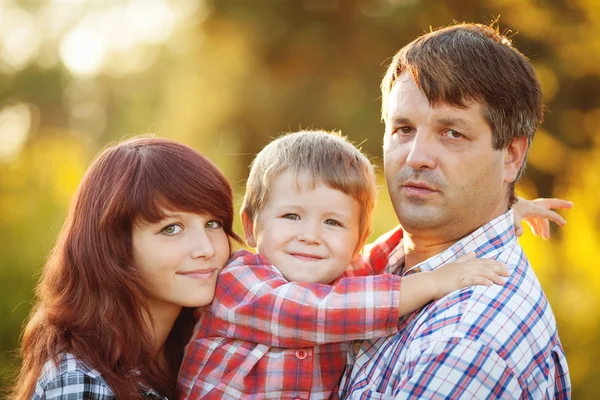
[332,222]
[172,229]
[214,224]
[291,217]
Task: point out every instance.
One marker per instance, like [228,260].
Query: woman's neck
[163,316]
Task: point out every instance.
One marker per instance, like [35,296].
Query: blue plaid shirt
[476,343]
[72,379]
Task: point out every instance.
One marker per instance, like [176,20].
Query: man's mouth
[418,188]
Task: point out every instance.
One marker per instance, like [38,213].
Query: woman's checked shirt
[72,379]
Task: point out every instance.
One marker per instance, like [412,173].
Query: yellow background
[227,76]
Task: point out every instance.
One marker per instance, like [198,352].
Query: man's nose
[422,152]
[202,246]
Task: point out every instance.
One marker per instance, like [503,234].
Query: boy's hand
[467,271]
[538,214]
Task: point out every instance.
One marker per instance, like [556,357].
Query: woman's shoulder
[71,378]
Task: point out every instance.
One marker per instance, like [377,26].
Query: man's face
[443,175]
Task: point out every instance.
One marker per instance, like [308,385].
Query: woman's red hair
[91,300]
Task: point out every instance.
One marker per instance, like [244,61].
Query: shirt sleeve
[254,302]
[375,256]
[458,368]
[75,385]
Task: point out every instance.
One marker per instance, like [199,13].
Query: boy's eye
[291,217]
[214,224]
[171,229]
[332,222]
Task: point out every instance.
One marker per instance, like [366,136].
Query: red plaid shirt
[265,337]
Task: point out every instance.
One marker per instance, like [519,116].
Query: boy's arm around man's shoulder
[254,302]
[375,258]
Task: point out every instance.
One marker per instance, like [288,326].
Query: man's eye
[332,222]
[172,229]
[214,224]
[452,134]
[402,130]
[291,217]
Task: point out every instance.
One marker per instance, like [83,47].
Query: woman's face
[180,258]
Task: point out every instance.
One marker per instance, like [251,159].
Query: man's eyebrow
[458,122]
[399,120]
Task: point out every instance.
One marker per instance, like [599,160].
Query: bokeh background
[227,76]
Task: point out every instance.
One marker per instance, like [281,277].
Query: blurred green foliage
[227,76]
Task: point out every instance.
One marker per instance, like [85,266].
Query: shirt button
[301,354]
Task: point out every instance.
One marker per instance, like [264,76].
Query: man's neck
[417,250]
[422,245]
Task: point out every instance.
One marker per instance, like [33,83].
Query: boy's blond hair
[327,158]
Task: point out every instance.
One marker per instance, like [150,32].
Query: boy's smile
[308,231]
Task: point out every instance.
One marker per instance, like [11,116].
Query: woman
[149,230]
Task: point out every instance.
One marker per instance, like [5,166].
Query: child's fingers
[466,257]
[545,225]
[518,228]
[494,267]
[487,267]
[476,280]
[533,225]
[497,268]
[543,213]
[495,273]
[554,203]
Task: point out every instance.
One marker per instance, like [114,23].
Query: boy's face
[310,235]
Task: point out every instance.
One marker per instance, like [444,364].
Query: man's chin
[419,217]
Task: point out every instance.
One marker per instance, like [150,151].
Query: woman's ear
[248,225]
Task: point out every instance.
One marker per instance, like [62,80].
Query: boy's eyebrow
[338,214]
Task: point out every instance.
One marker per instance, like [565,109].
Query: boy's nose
[310,234]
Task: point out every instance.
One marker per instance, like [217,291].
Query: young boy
[282,320]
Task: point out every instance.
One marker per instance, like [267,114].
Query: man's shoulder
[514,318]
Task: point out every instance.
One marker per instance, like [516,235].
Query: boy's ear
[248,225]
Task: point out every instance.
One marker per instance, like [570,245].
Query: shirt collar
[488,240]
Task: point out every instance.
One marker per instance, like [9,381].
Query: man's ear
[248,225]
[514,156]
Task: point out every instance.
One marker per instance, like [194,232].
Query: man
[461,106]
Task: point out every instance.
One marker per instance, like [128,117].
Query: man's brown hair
[467,63]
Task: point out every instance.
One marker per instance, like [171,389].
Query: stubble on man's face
[443,175]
